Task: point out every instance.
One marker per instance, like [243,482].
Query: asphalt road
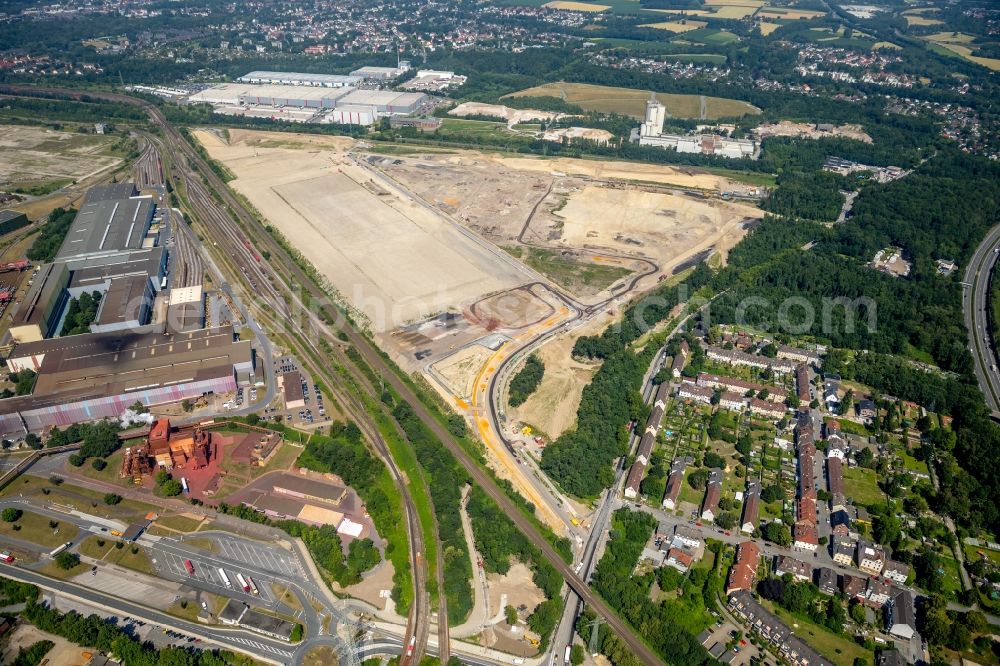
[975,303]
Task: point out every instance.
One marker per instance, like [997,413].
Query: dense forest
[94,631]
[46,244]
[343,453]
[82,312]
[526,380]
[445,479]
[500,542]
[669,626]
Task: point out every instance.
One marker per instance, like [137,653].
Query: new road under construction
[241,241]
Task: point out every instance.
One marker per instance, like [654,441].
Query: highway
[975,304]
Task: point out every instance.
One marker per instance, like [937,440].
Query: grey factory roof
[110,192]
[300,77]
[105,227]
[122,302]
[117,362]
[381,98]
[93,271]
[7,215]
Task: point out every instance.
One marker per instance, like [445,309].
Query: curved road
[975,303]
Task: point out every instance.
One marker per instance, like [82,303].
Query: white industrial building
[433,80]
[650,133]
[300,79]
[382,73]
[347,105]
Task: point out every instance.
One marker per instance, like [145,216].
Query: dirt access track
[394,259]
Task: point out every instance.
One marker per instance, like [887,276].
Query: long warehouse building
[99,375]
[301,79]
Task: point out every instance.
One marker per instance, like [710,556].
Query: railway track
[377,362]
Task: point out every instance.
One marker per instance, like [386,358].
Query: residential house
[774,410]
[831,392]
[895,571]
[732,401]
[735,357]
[679,558]
[674,483]
[751,507]
[877,593]
[798,354]
[686,538]
[765,624]
[826,580]
[806,536]
[680,360]
[866,409]
[835,477]
[853,586]
[802,386]
[695,393]
[713,493]
[744,570]
[840,522]
[796,568]
[890,658]
[741,386]
[900,616]
[843,551]
[633,479]
[871,558]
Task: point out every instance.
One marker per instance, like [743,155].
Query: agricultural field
[788,14]
[676,27]
[961,44]
[39,160]
[632,102]
[710,36]
[567,5]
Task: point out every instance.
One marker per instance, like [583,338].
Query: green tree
[111,499]
[576,655]
[10,514]
[67,560]
[510,615]
[777,533]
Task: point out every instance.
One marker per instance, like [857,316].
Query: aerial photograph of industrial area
[499,332]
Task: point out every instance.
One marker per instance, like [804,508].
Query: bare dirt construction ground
[517,202]
[63,653]
[35,156]
[512,116]
[371,589]
[551,409]
[458,371]
[394,259]
[808,131]
[663,227]
[519,588]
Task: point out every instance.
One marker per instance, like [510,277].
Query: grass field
[138,561]
[921,21]
[179,523]
[733,11]
[632,102]
[568,272]
[958,44]
[838,649]
[861,485]
[676,27]
[710,36]
[35,528]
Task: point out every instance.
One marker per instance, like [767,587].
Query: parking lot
[314,410]
[169,560]
[262,557]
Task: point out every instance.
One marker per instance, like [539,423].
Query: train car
[184,485]
[225,578]
[189,566]
[253,586]
[243,582]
